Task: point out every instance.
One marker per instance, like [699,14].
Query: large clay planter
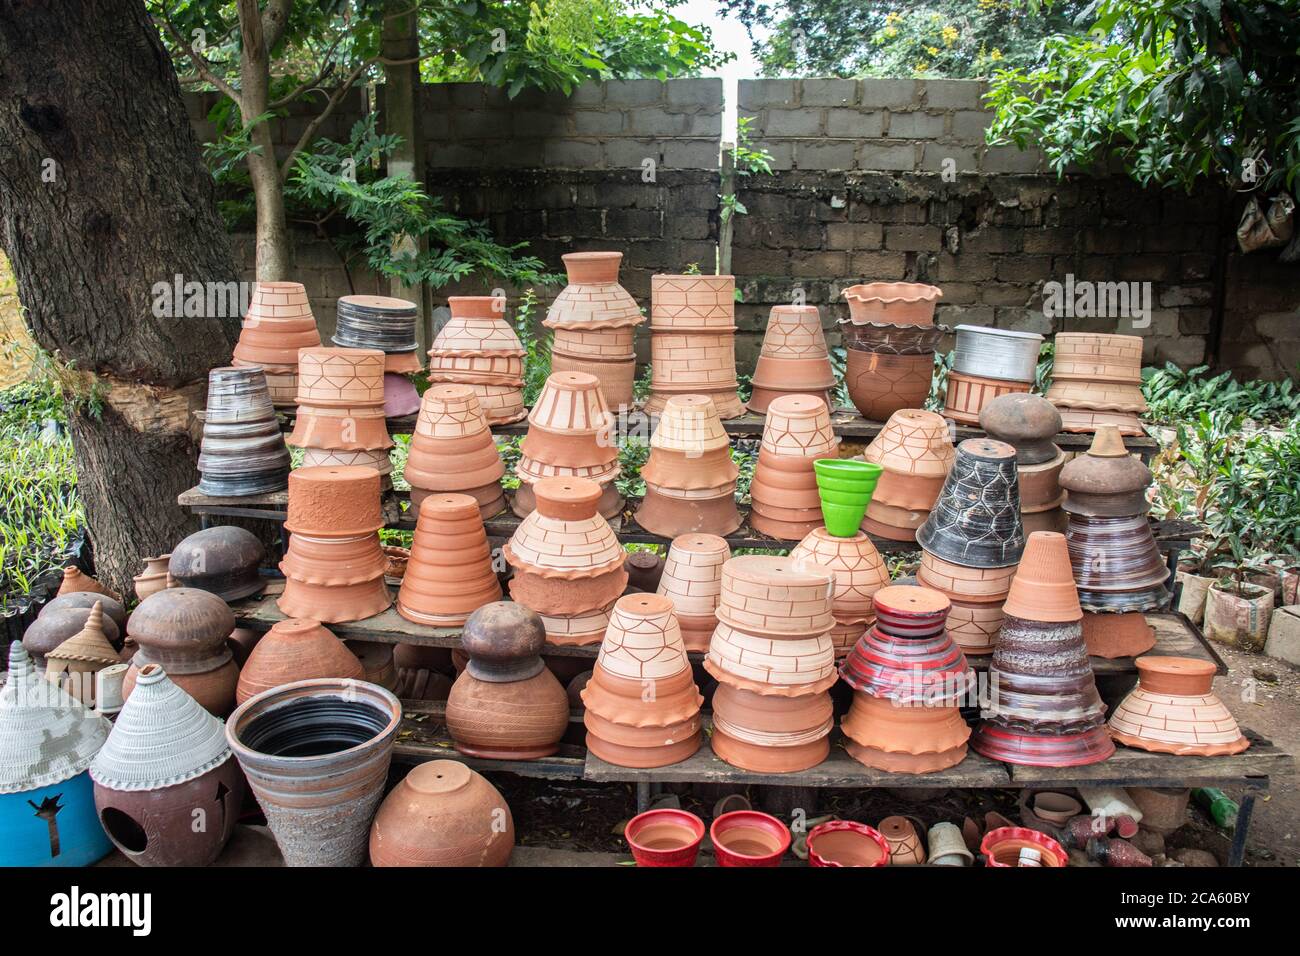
[316,754]
[293,650]
[771,734]
[793,359]
[1096,357]
[905,738]
[165,768]
[452,450]
[916,454]
[789,667]
[1028,423]
[693,302]
[891,339]
[48,742]
[1095,381]
[907,656]
[974,585]
[522,720]
[387,324]
[967,395]
[570,434]
[74,663]
[845,489]
[443,814]
[976,519]
[243,450]
[859,573]
[692,341]
[185,631]
[776,596]
[340,378]
[882,383]
[223,560]
[797,432]
[449,574]
[892,303]
[1174,710]
[692,580]
[477,347]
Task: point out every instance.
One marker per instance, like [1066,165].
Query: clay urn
[768,733]
[1028,423]
[915,455]
[793,359]
[692,341]
[690,476]
[892,303]
[568,562]
[166,767]
[153,578]
[442,813]
[1004,846]
[1174,710]
[906,848]
[477,347]
[797,432]
[452,450]
[243,450]
[976,519]
[114,610]
[54,625]
[184,630]
[75,580]
[74,663]
[845,488]
[839,843]
[278,323]
[645,569]
[882,383]
[505,704]
[316,754]
[223,560]
[859,573]
[449,574]
[47,741]
[692,580]
[295,649]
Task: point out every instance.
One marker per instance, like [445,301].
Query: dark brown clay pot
[52,627]
[503,640]
[442,814]
[214,689]
[223,560]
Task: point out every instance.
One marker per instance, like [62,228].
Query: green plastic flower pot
[845,488]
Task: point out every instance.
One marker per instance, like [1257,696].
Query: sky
[728,35]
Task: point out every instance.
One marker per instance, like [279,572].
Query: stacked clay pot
[890,340]
[443,814]
[334,566]
[477,347]
[449,574]
[908,678]
[164,770]
[340,418]
[1174,710]
[75,662]
[452,450]
[278,323]
[692,580]
[972,540]
[1028,423]
[916,453]
[568,563]
[642,705]
[184,630]
[570,435]
[594,321]
[785,501]
[387,324]
[65,616]
[794,359]
[1046,710]
[243,451]
[987,364]
[292,650]
[774,661]
[859,573]
[223,559]
[1096,380]
[505,704]
[693,341]
[690,477]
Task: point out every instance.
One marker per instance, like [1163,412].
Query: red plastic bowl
[760,828]
[1007,842]
[846,838]
[638,827]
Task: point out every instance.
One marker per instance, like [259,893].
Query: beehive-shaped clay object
[690,476]
[243,450]
[916,453]
[443,814]
[341,401]
[692,580]
[976,519]
[278,323]
[786,504]
[1096,380]
[568,562]
[794,358]
[478,347]
[859,573]
[594,323]
[449,574]
[452,450]
[1173,710]
[74,663]
[292,650]
[692,341]
[185,631]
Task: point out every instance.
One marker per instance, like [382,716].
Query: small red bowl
[844,840]
[641,830]
[749,838]
[1007,842]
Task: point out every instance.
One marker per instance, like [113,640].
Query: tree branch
[335,99]
[325,71]
[275,18]
[201,66]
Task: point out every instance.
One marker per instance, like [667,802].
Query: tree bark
[103,194]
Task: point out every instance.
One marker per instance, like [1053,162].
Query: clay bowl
[1056,807]
[749,838]
[1001,847]
[846,843]
[664,837]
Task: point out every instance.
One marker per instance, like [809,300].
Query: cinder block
[935,157]
[1187,350]
[854,235]
[881,156]
[913,238]
[588,94]
[573,154]
[791,123]
[915,125]
[535,123]
[758,94]
[1284,635]
[815,154]
[888,94]
[633,92]
[631,153]
[1009,159]
[953,94]
[691,154]
[653,121]
[871,266]
[704,95]
[828,92]
[970,126]
[609,122]
[855,124]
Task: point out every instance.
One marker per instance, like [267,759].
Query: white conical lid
[162,737]
[46,735]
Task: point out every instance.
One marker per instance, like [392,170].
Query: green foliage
[747,162]
[1174,395]
[633,453]
[537,360]
[1178,90]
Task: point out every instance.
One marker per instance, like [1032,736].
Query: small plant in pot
[1238,612]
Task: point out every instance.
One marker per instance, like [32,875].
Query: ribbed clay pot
[243,450]
[967,395]
[976,519]
[1107,481]
[1118,566]
[449,574]
[783,666]
[477,346]
[845,489]
[793,359]
[797,432]
[988,586]
[908,656]
[781,597]
[690,475]
[1043,588]
[452,450]
[443,814]
[384,323]
[570,435]
[1174,710]
[223,560]
[771,734]
[294,650]
[692,580]
[881,383]
[892,303]
[316,754]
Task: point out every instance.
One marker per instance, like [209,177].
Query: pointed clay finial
[1108,443]
[95,619]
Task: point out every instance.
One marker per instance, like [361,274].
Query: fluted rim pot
[898,303]
[841,843]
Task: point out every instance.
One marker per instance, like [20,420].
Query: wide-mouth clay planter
[1054,807]
[477,325]
[770,734]
[692,580]
[352,428]
[452,448]
[1174,710]
[776,596]
[859,572]
[1086,420]
[1118,635]
[972,585]
[1001,847]
[521,720]
[902,738]
[1097,357]
[839,843]
[339,502]
[334,603]
[642,748]
[891,339]
[449,574]
[295,649]
[749,838]
[906,848]
[1000,354]
[378,322]
[976,520]
[1117,564]
[593,299]
[670,516]
[693,302]
[1043,588]
[881,383]
[664,837]
[443,813]
[564,538]
[1107,481]
[761,758]
[223,560]
[967,395]
[643,642]
[1027,423]
[316,754]
[628,702]
[1098,396]
[895,303]
[845,488]
[278,323]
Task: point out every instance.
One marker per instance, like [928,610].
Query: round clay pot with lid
[183,629]
[504,641]
[1107,481]
[295,649]
[1026,422]
[54,625]
[840,843]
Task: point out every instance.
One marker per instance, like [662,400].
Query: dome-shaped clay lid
[568,499]
[51,629]
[1106,469]
[180,620]
[113,609]
[1026,422]
[223,560]
[46,736]
[503,640]
[161,737]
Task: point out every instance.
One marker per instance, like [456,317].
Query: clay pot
[243,450]
[477,346]
[689,428]
[452,449]
[377,661]
[74,581]
[904,738]
[1118,635]
[316,754]
[859,572]
[947,846]
[1117,564]
[967,395]
[570,433]
[845,489]
[154,578]
[972,585]
[165,765]
[1095,381]
[1099,396]
[891,339]
[1028,423]
[340,378]
[1093,356]
[293,650]
[377,322]
[47,741]
[749,838]
[770,734]
[1086,420]
[645,569]
[443,814]
[278,323]
[916,454]
[905,846]
[594,320]
[894,662]
[881,383]
[522,720]
[334,502]
[183,629]
[846,843]
[75,662]
[974,626]
[976,519]
[1001,847]
[692,580]
[776,596]
[1043,588]
[1174,710]
[1107,481]
[113,609]
[999,354]
[785,501]
[692,341]
[893,303]
[355,428]
[664,837]
[788,667]
[693,302]
[1054,807]
[223,560]
[1164,809]
[450,573]
[793,359]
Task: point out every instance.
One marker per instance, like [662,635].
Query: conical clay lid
[162,737]
[89,644]
[1107,468]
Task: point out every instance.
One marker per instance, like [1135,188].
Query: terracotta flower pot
[1028,423]
[906,848]
[477,346]
[692,302]
[278,323]
[450,573]
[522,720]
[295,649]
[789,667]
[223,560]
[793,359]
[904,738]
[378,322]
[1098,396]
[976,519]
[889,662]
[442,814]
[894,303]
[881,383]
[858,568]
[1174,710]
[947,846]
[776,596]
[1043,588]
[75,581]
[1001,847]
[839,843]
[1093,356]
[664,514]
[771,734]
[972,585]
[845,489]
[341,378]
[334,502]
[594,319]
[1118,635]
[916,454]
[749,838]
[643,644]
[974,626]
[692,342]
[967,395]
[664,837]
[452,448]
[999,354]
[796,433]
[891,339]
[692,580]
[74,663]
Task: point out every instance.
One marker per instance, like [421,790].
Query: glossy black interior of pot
[313,727]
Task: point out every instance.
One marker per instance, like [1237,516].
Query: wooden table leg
[1237,854]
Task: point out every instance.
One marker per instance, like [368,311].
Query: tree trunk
[103,195]
[264,172]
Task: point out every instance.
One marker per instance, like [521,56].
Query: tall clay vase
[692,580]
[442,814]
[1174,710]
[165,768]
[278,323]
[243,450]
[316,754]
[294,650]
[794,358]
[785,501]
[976,520]
[845,489]
[692,341]
[452,450]
[449,574]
